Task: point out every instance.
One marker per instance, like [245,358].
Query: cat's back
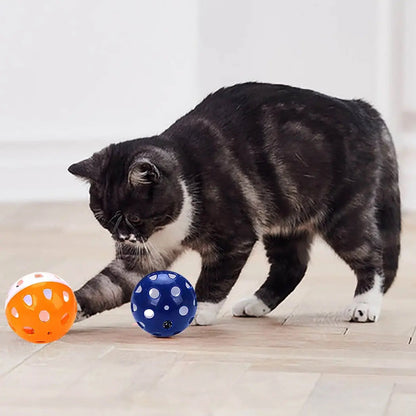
[276,145]
[254,96]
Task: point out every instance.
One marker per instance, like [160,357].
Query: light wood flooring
[300,360]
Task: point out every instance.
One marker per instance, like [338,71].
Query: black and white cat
[252,161]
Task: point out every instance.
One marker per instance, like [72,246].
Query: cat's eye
[134,219]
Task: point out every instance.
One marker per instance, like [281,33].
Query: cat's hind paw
[362,312]
[252,306]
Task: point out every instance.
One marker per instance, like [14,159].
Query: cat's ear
[143,172]
[89,169]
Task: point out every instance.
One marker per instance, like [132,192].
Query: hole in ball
[28,300]
[44,316]
[167,324]
[64,318]
[48,294]
[29,330]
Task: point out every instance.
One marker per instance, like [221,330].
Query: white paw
[81,315]
[366,307]
[206,313]
[363,312]
[251,306]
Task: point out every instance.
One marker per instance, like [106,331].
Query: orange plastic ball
[41,307]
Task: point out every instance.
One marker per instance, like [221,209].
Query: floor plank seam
[302,409]
[412,336]
[290,315]
[23,361]
[385,413]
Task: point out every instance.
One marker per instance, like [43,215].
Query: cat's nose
[132,238]
[120,237]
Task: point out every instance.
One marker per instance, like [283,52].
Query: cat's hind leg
[288,257]
[389,223]
[355,237]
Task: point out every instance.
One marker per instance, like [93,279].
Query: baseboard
[37,171]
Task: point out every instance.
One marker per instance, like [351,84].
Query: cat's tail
[388,210]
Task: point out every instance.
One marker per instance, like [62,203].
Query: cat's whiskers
[153,252]
[115,228]
[117,213]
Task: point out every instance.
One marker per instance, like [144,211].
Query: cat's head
[135,188]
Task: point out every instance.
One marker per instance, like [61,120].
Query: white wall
[94,69]
[75,76]
[324,45]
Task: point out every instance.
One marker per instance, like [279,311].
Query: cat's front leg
[217,277]
[110,288]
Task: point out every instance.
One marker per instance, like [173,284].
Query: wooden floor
[301,360]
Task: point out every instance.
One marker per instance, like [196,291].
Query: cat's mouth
[130,239]
[135,239]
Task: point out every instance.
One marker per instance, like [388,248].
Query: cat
[251,162]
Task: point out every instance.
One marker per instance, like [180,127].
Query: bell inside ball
[163,303]
[40,307]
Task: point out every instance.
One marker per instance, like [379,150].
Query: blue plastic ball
[163,303]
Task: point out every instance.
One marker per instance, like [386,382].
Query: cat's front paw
[252,306]
[81,315]
[362,312]
[206,313]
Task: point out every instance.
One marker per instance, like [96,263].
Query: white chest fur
[171,236]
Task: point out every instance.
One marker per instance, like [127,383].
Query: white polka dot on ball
[149,314]
[154,293]
[183,310]
[175,291]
